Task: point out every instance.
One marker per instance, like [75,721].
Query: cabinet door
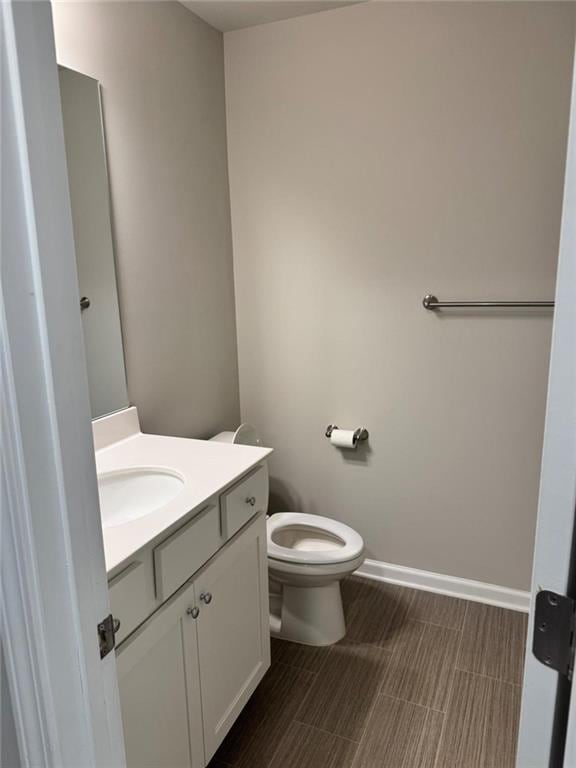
[233,630]
[160,689]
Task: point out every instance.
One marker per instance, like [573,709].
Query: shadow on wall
[359,456]
[283,498]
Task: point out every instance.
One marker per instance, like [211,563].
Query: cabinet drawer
[183,553]
[132,596]
[243,501]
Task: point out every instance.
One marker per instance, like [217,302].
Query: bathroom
[276,187]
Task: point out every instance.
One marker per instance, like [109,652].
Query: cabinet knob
[251,500]
[193,611]
[206,597]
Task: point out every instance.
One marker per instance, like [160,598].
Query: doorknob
[251,500]
[206,597]
[193,611]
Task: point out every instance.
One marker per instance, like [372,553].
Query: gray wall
[161,70]
[377,153]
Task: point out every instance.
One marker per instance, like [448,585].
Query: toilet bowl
[308,555]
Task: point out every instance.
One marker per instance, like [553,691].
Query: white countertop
[207,469]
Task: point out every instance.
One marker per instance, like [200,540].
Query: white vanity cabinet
[159,682]
[187,671]
[233,630]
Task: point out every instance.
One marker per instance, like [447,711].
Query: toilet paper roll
[343,438]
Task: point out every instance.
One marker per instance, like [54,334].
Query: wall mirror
[90,200]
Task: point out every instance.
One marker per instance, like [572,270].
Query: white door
[160,689]
[53,581]
[233,633]
[545,726]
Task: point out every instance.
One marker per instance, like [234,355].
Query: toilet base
[308,615]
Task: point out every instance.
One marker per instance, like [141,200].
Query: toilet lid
[298,538]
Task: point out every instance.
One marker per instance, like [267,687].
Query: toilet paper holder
[360,434]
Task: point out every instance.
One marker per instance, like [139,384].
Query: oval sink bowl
[128,494]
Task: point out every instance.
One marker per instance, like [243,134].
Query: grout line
[365,729]
[432,624]
[411,703]
[324,656]
[270,762]
[435,624]
[444,718]
[296,668]
[405,620]
[421,743]
[278,663]
[324,730]
[312,686]
[366,644]
[300,722]
[488,677]
[252,736]
[450,690]
[398,651]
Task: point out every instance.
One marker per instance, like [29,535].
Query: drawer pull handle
[194,612]
[206,597]
[116,625]
[251,500]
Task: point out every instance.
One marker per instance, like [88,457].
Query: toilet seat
[294,537]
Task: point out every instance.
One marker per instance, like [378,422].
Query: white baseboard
[478,591]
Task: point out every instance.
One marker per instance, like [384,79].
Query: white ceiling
[226,15]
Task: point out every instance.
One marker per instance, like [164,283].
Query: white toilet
[308,555]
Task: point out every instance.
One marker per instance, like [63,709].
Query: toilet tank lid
[246,435]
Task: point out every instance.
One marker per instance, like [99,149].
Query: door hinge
[107,630]
[554,624]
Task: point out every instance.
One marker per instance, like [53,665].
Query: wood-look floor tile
[255,736]
[493,642]
[380,697]
[375,611]
[306,747]
[502,725]
[427,749]
[344,689]
[437,609]
[308,657]
[421,670]
[399,735]
[481,723]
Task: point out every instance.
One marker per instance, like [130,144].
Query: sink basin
[128,494]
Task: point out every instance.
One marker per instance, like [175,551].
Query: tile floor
[420,681]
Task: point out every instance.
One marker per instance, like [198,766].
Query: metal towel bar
[431,302]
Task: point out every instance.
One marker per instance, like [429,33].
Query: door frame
[546,694]
[53,578]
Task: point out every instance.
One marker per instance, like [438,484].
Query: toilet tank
[244,435]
